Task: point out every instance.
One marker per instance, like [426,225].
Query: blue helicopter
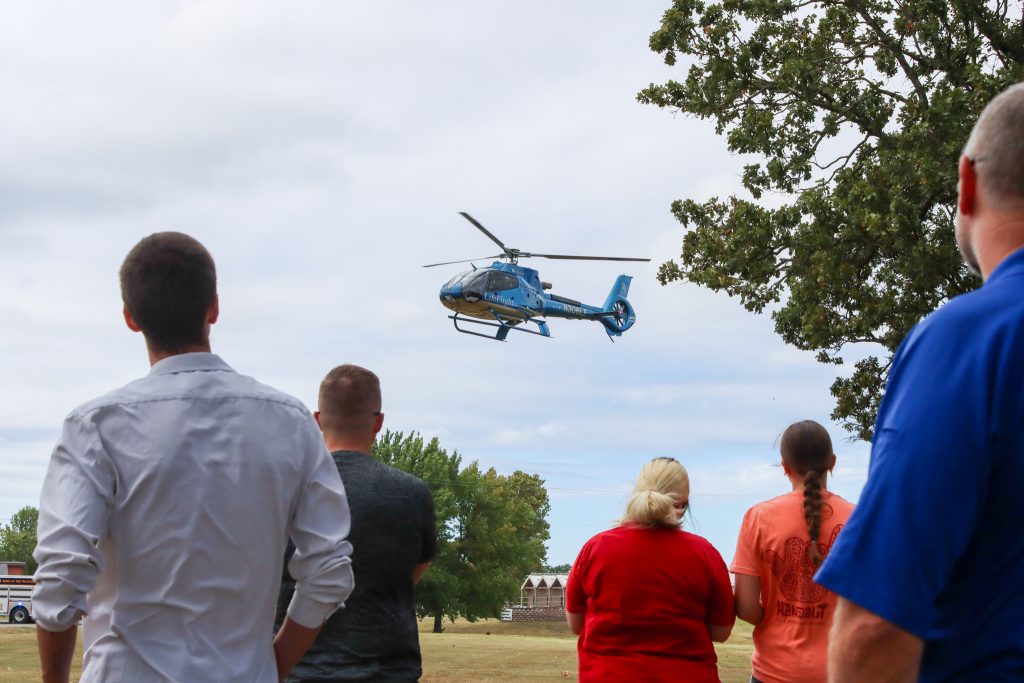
[506,294]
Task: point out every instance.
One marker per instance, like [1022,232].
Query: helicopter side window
[500,281]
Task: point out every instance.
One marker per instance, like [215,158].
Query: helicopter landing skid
[503,327]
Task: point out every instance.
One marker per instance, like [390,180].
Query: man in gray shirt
[375,638]
[168,503]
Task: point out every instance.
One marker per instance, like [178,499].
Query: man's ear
[213,312]
[968,186]
[130,321]
[316,416]
[378,423]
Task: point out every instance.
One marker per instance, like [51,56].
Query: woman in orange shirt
[782,543]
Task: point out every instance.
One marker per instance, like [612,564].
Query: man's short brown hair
[349,399]
[168,281]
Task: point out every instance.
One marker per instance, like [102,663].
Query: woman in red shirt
[647,598]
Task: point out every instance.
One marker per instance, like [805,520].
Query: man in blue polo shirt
[930,567]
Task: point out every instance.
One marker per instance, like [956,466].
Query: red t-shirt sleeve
[720,609]
[745,559]
[575,598]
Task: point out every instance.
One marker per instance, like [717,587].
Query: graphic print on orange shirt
[795,571]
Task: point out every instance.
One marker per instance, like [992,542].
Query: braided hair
[807,451]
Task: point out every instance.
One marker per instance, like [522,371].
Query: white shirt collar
[200,361]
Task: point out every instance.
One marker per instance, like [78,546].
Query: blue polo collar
[1014,263]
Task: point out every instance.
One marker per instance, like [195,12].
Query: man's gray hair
[996,146]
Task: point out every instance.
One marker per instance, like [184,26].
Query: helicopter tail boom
[618,314]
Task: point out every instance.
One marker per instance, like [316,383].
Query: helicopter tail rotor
[618,315]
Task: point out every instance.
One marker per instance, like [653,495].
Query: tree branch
[987,24]
[897,52]
[844,158]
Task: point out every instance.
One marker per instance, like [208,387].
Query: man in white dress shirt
[168,504]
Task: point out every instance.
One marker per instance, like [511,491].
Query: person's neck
[157,355]
[1003,235]
[798,482]
[348,443]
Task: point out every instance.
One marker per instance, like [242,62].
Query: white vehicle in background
[16,598]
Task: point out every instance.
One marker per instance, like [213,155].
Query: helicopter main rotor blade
[585,258]
[469,260]
[484,230]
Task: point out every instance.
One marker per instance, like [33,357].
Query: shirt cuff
[310,613]
[62,621]
[740,569]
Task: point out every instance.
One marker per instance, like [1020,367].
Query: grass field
[538,651]
[19,658]
[484,651]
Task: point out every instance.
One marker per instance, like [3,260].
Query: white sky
[321,151]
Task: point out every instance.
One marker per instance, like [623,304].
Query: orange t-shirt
[791,642]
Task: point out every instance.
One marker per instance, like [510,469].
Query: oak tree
[853,113]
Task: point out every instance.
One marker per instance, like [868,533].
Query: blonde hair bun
[660,485]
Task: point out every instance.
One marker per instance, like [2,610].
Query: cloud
[23,454]
[321,151]
[519,435]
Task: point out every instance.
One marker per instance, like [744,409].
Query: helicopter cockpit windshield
[476,279]
[455,280]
